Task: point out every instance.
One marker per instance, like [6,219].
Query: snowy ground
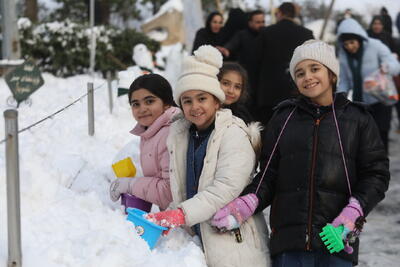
[380,241]
[67,217]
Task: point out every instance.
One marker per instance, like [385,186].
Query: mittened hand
[348,216]
[235,212]
[168,218]
[120,186]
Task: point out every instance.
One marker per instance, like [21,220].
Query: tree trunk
[105,12]
[31,10]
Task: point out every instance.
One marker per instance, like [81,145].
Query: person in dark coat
[210,34]
[237,21]
[243,44]
[377,31]
[274,48]
[387,20]
[322,162]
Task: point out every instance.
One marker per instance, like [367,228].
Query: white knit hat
[199,72]
[318,51]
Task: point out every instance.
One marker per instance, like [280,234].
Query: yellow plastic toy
[124,168]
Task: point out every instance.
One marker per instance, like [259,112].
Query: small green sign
[24,80]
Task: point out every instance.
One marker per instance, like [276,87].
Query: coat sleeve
[266,178]
[156,189]
[386,57]
[234,43]
[235,163]
[345,84]
[372,167]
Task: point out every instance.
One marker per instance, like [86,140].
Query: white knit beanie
[199,72]
[318,51]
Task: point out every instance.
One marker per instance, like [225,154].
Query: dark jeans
[308,259]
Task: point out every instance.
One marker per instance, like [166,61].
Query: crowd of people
[264,119]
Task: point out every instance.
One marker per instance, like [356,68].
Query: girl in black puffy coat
[323,162]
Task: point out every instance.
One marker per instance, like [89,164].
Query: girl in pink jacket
[151,100]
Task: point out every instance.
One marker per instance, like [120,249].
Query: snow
[66,215]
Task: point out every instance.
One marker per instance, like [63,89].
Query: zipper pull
[197,134]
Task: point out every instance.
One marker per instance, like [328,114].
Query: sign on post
[24,80]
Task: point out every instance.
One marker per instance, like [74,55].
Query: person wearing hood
[359,57]
[210,34]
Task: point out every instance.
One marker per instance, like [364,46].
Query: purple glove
[235,212]
[347,218]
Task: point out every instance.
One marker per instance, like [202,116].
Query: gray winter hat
[318,51]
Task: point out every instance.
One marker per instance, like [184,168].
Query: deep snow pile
[67,217]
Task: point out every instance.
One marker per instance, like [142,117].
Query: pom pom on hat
[210,55]
[318,51]
[199,72]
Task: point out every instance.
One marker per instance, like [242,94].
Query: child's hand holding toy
[168,218]
[348,218]
[121,186]
[235,212]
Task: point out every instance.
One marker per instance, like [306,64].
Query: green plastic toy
[332,237]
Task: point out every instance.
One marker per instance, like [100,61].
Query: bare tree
[31,10]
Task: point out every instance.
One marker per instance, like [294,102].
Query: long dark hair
[155,84]
[236,67]
[209,19]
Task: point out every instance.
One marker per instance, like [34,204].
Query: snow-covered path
[380,241]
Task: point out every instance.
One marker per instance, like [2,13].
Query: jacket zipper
[312,183]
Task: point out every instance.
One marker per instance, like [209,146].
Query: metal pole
[272,11]
[327,15]
[90,109]
[110,96]
[13,196]
[10,43]
[92,39]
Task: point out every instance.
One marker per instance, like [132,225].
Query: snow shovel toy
[332,237]
[126,168]
[147,230]
[130,201]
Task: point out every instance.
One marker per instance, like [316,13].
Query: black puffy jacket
[306,184]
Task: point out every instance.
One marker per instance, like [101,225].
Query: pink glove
[235,212]
[168,218]
[347,218]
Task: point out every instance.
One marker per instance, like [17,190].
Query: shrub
[63,48]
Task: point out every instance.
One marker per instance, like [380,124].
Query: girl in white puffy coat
[212,158]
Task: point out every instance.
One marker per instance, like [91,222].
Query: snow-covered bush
[63,48]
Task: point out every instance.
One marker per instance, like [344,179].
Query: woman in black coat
[377,31]
[210,34]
